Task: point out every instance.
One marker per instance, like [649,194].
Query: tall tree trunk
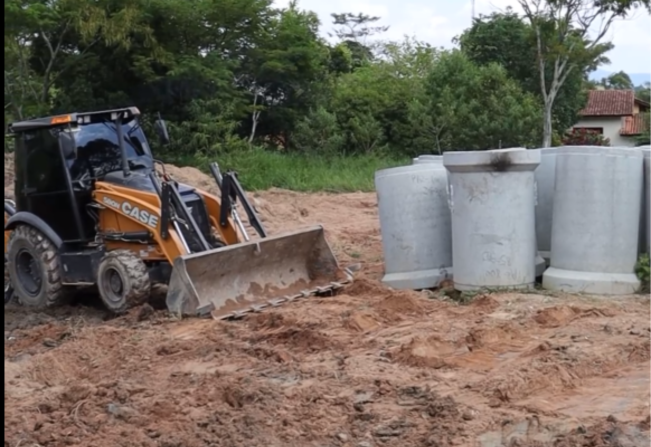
[547,124]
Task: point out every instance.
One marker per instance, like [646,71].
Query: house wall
[611,127]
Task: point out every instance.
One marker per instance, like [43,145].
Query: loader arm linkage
[231,281]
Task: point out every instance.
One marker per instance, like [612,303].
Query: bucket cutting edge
[246,277]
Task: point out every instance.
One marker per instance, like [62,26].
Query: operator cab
[57,159]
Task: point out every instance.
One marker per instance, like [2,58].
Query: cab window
[44,168]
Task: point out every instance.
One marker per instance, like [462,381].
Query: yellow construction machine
[10,210]
[92,209]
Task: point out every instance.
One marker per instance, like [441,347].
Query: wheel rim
[113,286]
[29,273]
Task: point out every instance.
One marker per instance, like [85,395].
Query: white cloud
[438,21]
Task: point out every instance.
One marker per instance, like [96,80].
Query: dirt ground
[370,367]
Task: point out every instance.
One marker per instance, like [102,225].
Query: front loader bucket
[235,279]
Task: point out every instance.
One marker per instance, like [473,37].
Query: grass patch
[261,169]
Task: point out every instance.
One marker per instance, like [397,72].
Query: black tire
[9,289]
[123,281]
[34,268]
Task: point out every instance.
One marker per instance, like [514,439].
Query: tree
[282,70]
[477,107]
[644,138]
[45,40]
[354,30]
[507,39]
[617,81]
[643,92]
[381,106]
[564,41]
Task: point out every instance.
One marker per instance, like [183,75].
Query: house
[616,114]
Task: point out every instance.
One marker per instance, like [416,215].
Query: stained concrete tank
[415,225]
[492,199]
[595,229]
[646,212]
[428,159]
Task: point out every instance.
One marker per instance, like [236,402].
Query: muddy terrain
[370,367]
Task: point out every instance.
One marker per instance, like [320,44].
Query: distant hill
[637,78]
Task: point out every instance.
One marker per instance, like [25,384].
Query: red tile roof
[609,103]
[634,125]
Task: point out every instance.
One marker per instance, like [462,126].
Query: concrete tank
[428,159]
[595,230]
[492,200]
[415,225]
[646,212]
[545,174]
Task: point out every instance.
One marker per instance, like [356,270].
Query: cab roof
[76,117]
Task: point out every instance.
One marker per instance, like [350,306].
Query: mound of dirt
[556,316]
[362,322]
[424,353]
[192,177]
[484,337]
[398,305]
[608,433]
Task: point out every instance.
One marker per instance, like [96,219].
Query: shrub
[584,137]
[643,271]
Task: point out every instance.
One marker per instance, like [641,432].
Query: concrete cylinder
[596,215]
[544,175]
[646,195]
[492,201]
[428,159]
[415,225]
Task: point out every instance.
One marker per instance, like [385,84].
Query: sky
[438,21]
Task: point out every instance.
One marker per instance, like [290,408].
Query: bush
[319,132]
[584,137]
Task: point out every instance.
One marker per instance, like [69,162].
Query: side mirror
[161,130]
[67,144]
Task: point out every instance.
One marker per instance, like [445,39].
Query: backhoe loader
[93,208]
[10,210]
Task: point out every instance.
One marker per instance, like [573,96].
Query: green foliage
[262,169]
[617,81]
[490,110]
[319,132]
[645,137]
[507,39]
[254,85]
[643,92]
[568,39]
[643,271]
[584,137]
